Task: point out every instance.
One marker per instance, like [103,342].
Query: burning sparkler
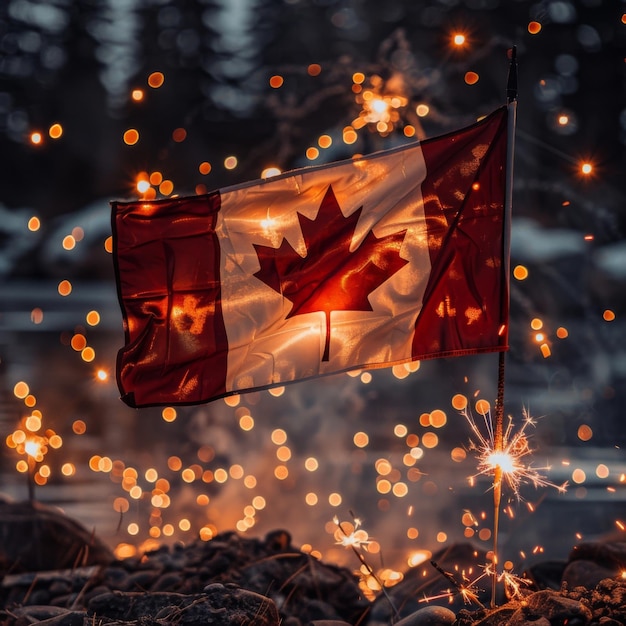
[381,102]
[27,442]
[352,536]
[502,453]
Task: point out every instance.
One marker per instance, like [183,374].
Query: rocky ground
[56,573]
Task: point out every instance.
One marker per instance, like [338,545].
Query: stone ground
[56,573]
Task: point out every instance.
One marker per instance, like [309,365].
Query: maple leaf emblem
[330,277]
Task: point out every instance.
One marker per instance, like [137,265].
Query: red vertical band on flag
[466,301]
[167,263]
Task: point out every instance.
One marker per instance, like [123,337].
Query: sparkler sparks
[467,589]
[511,459]
[470,590]
[352,536]
[381,103]
[28,441]
[501,453]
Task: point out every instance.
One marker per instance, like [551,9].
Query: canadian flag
[383,259]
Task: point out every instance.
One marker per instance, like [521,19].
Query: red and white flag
[379,260]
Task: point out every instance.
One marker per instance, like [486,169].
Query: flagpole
[511,97]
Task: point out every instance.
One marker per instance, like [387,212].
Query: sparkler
[354,538]
[381,103]
[502,453]
[25,441]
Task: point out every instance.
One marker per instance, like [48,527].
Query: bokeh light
[156,80]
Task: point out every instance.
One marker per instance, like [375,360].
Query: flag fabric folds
[370,262]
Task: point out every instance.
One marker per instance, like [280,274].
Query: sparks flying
[512,458]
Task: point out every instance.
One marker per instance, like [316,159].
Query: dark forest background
[76,62]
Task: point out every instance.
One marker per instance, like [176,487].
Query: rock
[610,554]
[66,600]
[45,587]
[546,574]
[219,606]
[304,588]
[170,581]
[96,591]
[317,610]
[38,596]
[301,585]
[583,573]
[486,617]
[115,575]
[235,579]
[36,537]
[551,607]
[606,601]
[141,580]
[429,616]
[591,562]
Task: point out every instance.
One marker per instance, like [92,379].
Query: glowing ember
[276,81]
[156,80]
[34,223]
[131,136]
[459,39]
[55,131]
[21,390]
